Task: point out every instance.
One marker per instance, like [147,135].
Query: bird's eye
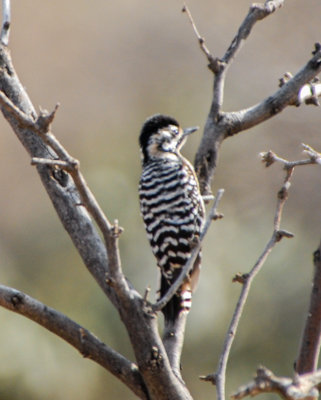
[174,129]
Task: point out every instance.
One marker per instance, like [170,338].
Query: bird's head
[162,137]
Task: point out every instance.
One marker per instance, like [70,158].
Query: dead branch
[310,344]
[67,189]
[218,378]
[214,63]
[75,204]
[313,158]
[231,123]
[219,67]
[80,338]
[303,387]
[71,165]
[309,351]
[219,125]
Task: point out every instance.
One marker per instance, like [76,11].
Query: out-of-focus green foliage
[110,65]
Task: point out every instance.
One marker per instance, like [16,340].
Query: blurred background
[111,65]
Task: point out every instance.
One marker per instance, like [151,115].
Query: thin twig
[272,105]
[187,267]
[54,163]
[219,377]
[41,126]
[220,125]
[256,13]
[213,62]
[6,21]
[299,388]
[71,165]
[314,157]
[110,232]
[268,158]
[308,356]
[149,351]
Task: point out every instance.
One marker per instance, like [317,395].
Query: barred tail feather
[173,307]
[181,301]
[186,299]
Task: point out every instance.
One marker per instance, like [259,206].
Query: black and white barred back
[171,206]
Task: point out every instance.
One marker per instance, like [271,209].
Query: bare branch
[173,339]
[67,191]
[314,155]
[310,344]
[6,21]
[300,388]
[218,378]
[41,127]
[54,163]
[268,158]
[110,232]
[256,13]
[21,115]
[75,204]
[220,126]
[77,336]
[287,95]
[214,63]
[307,360]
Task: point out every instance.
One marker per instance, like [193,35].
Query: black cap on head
[152,124]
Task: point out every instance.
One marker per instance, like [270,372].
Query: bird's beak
[188,131]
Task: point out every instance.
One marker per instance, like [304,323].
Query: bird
[172,207]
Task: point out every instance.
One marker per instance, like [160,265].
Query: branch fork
[215,64]
[241,278]
[45,119]
[314,157]
[294,90]
[116,230]
[301,387]
[246,279]
[280,234]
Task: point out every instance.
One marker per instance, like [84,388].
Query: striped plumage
[171,206]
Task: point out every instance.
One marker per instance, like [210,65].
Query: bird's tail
[182,300]
[178,303]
